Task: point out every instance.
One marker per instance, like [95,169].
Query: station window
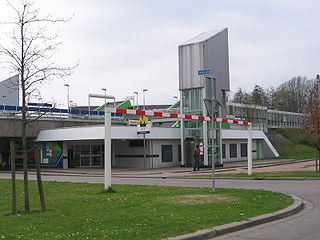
[233,150]
[166,153]
[244,150]
[223,151]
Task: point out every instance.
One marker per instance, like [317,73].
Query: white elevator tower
[203,94]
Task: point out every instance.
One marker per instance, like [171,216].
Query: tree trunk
[39,180]
[318,162]
[13,177]
[25,164]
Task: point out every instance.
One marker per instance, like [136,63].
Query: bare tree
[29,53]
[312,120]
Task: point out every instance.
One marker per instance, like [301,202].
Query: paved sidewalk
[269,165]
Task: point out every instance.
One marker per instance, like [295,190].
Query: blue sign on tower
[205,72]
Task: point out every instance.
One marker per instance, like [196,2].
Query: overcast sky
[125,46]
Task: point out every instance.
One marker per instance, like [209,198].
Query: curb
[252,178]
[236,226]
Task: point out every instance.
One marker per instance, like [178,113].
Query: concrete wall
[127,156]
[238,142]
[12,127]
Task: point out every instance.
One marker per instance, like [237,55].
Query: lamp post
[144,98]
[71,101]
[175,99]
[105,96]
[68,93]
[137,106]
[3,102]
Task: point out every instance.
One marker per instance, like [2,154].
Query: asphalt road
[304,225]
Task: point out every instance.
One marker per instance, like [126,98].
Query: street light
[176,98]
[144,98]
[137,99]
[4,104]
[105,96]
[68,93]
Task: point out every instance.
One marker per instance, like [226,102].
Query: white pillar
[205,143]
[107,150]
[65,155]
[205,130]
[249,149]
[181,132]
[220,137]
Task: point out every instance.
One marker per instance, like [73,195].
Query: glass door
[95,155]
[85,156]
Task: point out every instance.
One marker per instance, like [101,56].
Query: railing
[56,113]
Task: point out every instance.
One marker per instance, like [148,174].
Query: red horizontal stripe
[140,112]
[214,119]
[201,118]
[224,120]
[188,116]
[173,115]
[245,123]
[235,121]
[121,110]
[157,114]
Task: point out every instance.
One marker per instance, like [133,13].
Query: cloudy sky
[126,46]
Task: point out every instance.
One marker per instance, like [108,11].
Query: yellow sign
[143,121]
[144,125]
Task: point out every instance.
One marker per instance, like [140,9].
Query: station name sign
[205,72]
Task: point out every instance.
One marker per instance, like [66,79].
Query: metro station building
[171,141]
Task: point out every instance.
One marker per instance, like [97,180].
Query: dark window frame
[243,149]
[223,150]
[164,155]
[232,147]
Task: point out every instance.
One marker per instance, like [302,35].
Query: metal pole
[213,172]
[137,105]
[144,151]
[144,98]
[4,103]
[107,150]
[105,96]
[68,93]
[137,101]
[89,104]
[249,149]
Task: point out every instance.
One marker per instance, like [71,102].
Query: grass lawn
[295,151]
[304,174]
[79,211]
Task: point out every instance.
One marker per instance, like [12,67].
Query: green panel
[99,108]
[225,125]
[124,105]
[176,124]
[258,149]
[177,104]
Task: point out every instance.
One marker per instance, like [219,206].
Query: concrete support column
[182,133]
[205,130]
[65,155]
[107,150]
[249,150]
